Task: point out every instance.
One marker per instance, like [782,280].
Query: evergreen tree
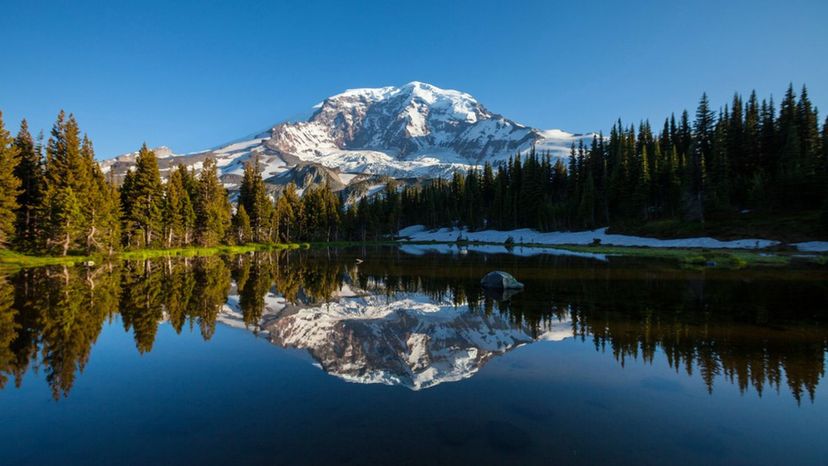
[29,171]
[242,232]
[810,149]
[109,223]
[9,185]
[66,183]
[825,176]
[142,201]
[212,207]
[288,214]
[253,196]
[99,206]
[719,192]
[178,216]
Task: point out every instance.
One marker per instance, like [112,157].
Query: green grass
[11,261]
[695,257]
[204,251]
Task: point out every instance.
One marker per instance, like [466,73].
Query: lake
[390,355]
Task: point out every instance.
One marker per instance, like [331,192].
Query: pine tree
[642,188]
[586,209]
[253,196]
[242,232]
[825,176]
[65,219]
[177,216]
[142,198]
[212,207]
[810,147]
[99,208]
[719,191]
[700,155]
[288,214]
[825,152]
[187,214]
[29,171]
[703,129]
[66,183]
[109,222]
[333,211]
[9,185]
[789,152]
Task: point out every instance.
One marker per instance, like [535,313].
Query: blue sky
[194,74]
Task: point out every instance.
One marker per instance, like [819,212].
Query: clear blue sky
[194,74]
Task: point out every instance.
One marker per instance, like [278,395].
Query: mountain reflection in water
[418,321]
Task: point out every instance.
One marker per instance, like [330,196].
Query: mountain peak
[413,130]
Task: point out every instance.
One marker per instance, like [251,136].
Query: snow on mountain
[415,130]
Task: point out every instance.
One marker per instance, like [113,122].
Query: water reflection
[420,320]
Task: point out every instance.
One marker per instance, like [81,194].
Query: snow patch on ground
[812,246]
[523,251]
[527,236]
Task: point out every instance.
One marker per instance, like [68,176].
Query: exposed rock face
[306,175]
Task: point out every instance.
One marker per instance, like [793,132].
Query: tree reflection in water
[756,328]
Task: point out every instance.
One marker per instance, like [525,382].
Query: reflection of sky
[239,399]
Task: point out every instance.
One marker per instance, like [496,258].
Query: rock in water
[500,280]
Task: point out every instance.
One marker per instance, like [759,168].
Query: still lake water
[316,357]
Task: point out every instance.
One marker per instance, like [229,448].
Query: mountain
[414,131]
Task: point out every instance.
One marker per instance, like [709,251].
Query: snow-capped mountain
[415,130]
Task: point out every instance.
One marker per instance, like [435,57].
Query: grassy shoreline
[11,261]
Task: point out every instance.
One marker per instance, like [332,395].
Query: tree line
[743,157]
[55,199]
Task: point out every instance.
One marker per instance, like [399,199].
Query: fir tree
[98,205]
[253,196]
[65,219]
[288,214]
[142,201]
[9,185]
[178,215]
[242,232]
[29,171]
[212,207]
[66,183]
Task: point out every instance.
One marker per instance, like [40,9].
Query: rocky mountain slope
[412,131]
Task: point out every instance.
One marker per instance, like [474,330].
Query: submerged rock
[500,280]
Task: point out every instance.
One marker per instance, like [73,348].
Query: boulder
[500,280]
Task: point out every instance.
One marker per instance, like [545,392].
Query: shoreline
[11,261]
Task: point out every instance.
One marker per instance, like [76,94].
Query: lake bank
[11,261]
